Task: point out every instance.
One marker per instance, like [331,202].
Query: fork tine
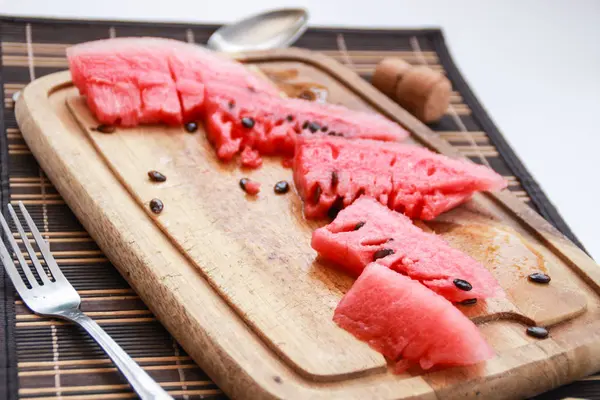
[8,262]
[34,259]
[50,262]
[32,281]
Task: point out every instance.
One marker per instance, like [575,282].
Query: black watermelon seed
[305,125]
[324,128]
[335,208]
[277,379]
[468,302]
[334,179]
[106,128]
[231,104]
[248,122]
[243,182]
[537,332]
[462,285]
[252,89]
[281,187]
[191,127]
[156,206]
[359,225]
[307,95]
[290,118]
[539,277]
[313,127]
[382,253]
[317,194]
[156,176]
[331,133]
[390,239]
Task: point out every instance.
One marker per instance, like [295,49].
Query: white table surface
[533,64]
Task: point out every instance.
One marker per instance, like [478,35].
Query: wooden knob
[388,73]
[422,91]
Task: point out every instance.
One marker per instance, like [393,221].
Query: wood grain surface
[216,255]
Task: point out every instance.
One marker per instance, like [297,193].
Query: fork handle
[141,382]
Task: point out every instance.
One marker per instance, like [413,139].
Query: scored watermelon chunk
[368,232]
[240,118]
[408,323]
[330,171]
[193,67]
[130,81]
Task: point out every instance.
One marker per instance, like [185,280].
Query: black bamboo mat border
[26,340]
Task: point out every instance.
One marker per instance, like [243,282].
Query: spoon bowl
[270,30]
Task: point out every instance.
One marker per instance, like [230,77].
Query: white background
[533,64]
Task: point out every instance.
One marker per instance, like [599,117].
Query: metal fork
[57,298]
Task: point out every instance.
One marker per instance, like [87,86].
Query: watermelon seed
[156,206]
[462,285]
[191,127]
[248,122]
[332,133]
[537,332]
[335,208]
[334,179]
[359,225]
[106,128]
[290,118]
[324,129]
[313,127]
[317,194]
[539,277]
[277,379]
[382,253]
[252,89]
[307,95]
[231,104]
[243,182]
[305,125]
[468,302]
[156,176]
[390,240]
[281,187]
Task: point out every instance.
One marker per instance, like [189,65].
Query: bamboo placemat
[47,359]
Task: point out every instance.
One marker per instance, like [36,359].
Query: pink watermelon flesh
[276,121]
[417,254]
[333,172]
[407,323]
[130,81]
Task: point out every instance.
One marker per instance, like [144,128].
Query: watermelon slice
[408,323]
[129,81]
[333,172]
[240,118]
[368,232]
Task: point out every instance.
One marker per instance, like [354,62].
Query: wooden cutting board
[234,279]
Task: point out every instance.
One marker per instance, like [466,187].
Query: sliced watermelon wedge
[367,232]
[408,323]
[331,171]
[131,81]
[240,118]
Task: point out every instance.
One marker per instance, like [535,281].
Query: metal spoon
[270,30]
